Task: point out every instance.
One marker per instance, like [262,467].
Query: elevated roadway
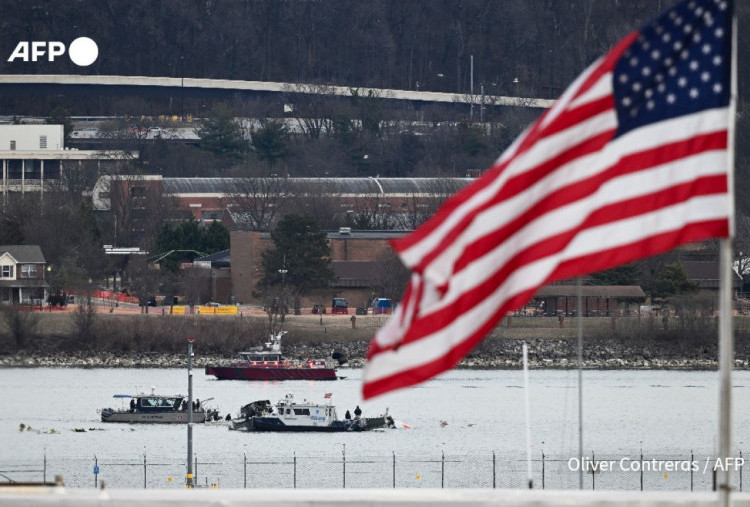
[189,83]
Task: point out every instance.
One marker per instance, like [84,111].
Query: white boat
[156,409]
[289,415]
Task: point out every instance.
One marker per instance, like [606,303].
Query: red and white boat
[269,364]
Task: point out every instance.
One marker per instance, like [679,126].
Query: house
[22,275]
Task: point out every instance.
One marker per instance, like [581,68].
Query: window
[43,142]
[28,270]
[211,215]
[12,145]
[138,192]
[7,272]
[301,411]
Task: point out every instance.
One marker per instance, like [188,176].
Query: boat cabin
[262,357]
[304,414]
[155,403]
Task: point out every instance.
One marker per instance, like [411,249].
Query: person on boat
[132,405]
[197,404]
[357,412]
[184,406]
[347,416]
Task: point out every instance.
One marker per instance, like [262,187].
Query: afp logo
[82,51]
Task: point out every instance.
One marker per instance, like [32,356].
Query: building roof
[706,273]
[24,253]
[365,234]
[215,260]
[601,291]
[336,186]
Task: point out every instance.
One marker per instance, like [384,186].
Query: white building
[34,158]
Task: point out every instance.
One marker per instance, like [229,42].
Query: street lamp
[182,88]
[283,272]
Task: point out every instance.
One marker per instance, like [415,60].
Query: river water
[462,417]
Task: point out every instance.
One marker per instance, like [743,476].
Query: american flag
[328,395]
[631,161]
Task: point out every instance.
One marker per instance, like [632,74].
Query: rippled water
[462,413]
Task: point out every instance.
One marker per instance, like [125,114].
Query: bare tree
[742,243]
[20,325]
[85,316]
[256,201]
[139,208]
[144,280]
[311,107]
[391,277]
[318,199]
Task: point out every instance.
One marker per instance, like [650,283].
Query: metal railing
[686,472]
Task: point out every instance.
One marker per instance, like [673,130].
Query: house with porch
[22,275]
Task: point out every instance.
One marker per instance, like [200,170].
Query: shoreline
[176,361]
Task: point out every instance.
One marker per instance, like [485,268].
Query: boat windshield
[160,402]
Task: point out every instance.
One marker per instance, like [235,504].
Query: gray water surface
[463,412]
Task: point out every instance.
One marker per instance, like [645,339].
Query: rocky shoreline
[492,354]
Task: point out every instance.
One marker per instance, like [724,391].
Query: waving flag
[631,161]
[328,395]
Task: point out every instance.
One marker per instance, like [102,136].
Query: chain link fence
[686,472]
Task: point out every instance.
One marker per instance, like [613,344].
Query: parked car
[338,305]
[381,306]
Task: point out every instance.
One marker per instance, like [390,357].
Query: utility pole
[471,90]
[190,482]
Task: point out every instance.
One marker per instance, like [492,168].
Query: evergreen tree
[271,142]
[192,236]
[222,135]
[621,275]
[300,258]
[61,116]
[672,281]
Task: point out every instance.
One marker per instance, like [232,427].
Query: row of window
[42,143]
[27,271]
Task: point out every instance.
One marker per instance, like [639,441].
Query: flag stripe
[619,180]
[472,286]
[574,173]
[403,373]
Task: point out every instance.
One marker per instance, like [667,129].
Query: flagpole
[726,360]
[528,414]
[579,322]
[726,331]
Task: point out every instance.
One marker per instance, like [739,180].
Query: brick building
[254,203]
[355,257]
[597,300]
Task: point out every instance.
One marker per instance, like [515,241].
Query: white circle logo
[83,51]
